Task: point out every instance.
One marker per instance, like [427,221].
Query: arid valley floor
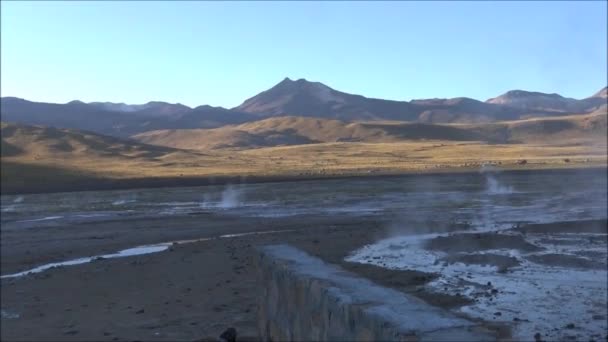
[195,290]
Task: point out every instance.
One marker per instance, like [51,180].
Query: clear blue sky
[221,53]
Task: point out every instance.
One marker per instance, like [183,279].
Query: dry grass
[281,131]
[32,154]
[326,158]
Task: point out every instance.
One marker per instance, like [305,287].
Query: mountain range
[295,129]
[293,98]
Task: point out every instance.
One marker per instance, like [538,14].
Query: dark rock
[570,326]
[498,313]
[537,337]
[71,332]
[140,311]
[229,335]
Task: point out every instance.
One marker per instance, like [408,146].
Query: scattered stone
[71,332]
[498,313]
[599,317]
[570,326]
[537,337]
[229,335]
[141,311]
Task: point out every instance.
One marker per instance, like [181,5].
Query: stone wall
[302,298]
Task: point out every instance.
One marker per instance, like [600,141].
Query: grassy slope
[48,159]
[298,130]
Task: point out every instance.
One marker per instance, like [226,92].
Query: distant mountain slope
[589,129]
[292,98]
[117,119]
[299,130]
[31,142]
[40,158]
[153,108]
[528,100]
[282,131]
[314,99]
[551,103]
[304,98]
[602,94]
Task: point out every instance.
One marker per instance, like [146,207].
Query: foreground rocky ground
[191,291]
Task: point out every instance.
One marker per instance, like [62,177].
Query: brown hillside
[35,141]
[282,131]
[47,159]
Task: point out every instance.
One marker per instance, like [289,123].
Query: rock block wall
[301,298]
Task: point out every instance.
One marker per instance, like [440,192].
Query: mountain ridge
[292,98]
